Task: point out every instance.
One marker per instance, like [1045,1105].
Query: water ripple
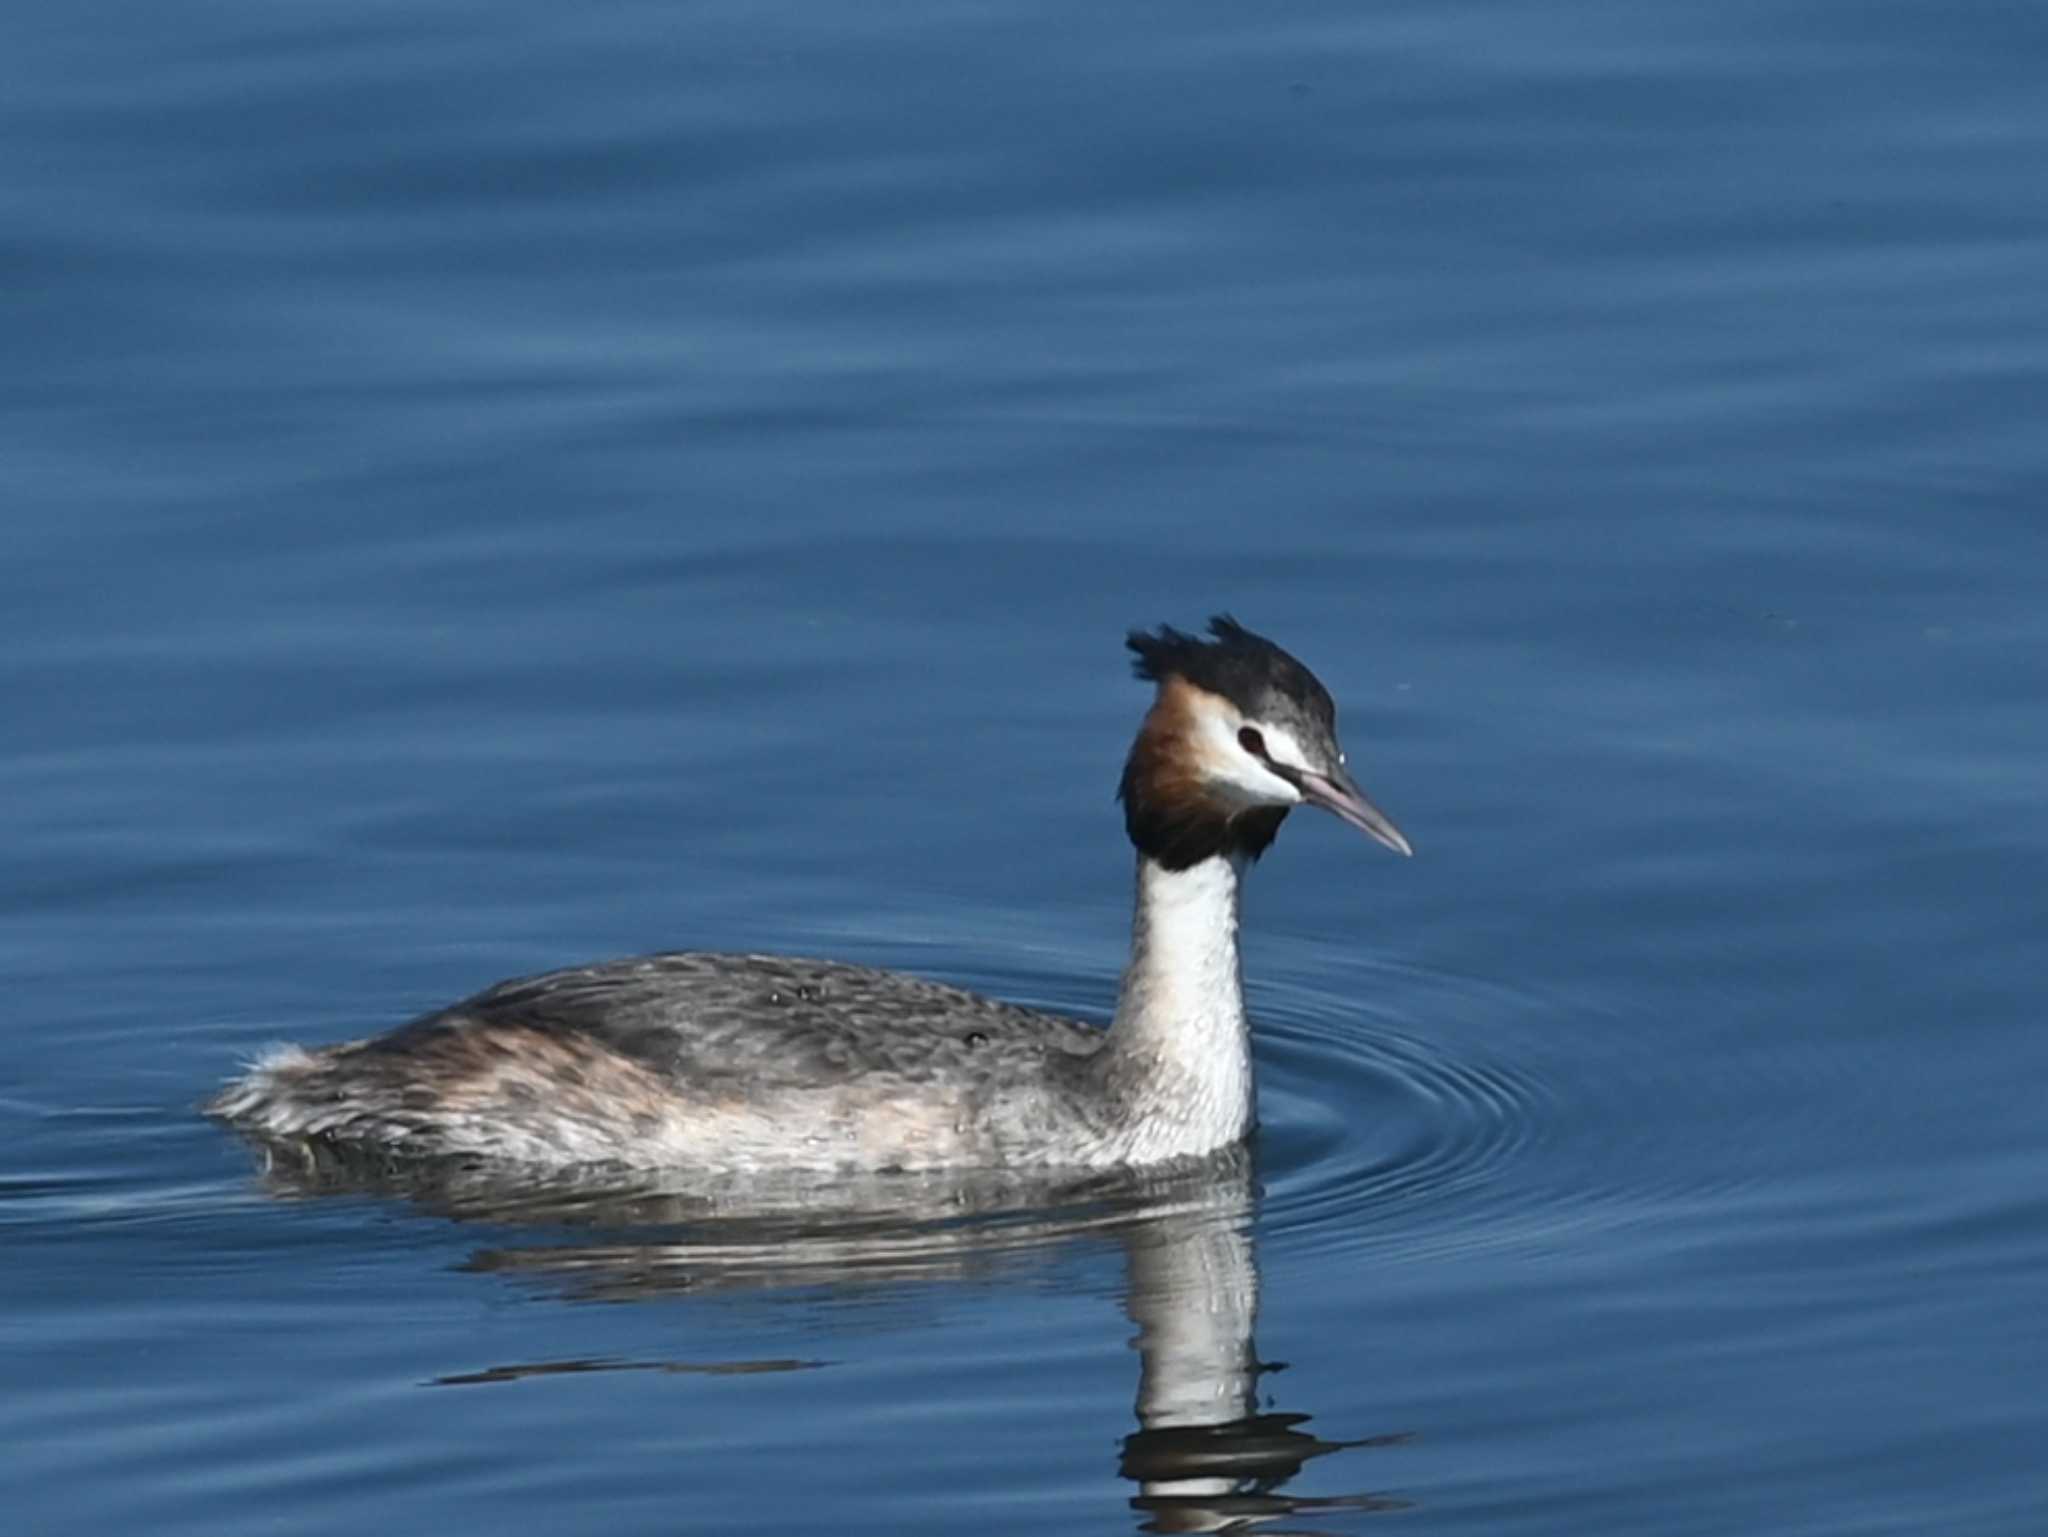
[1456,1112]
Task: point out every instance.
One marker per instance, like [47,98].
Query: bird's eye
[1250,740]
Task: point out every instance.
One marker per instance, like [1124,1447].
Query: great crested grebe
[757,1062]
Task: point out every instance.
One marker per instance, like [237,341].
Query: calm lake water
[495,486]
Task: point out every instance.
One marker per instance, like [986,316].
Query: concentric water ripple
[1454,1112]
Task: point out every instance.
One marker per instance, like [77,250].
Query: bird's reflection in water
[1204,1456]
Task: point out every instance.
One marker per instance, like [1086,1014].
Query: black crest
[1245,668]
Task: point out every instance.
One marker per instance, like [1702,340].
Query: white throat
[1180,1032]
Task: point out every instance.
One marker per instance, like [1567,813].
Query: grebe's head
[1239,735]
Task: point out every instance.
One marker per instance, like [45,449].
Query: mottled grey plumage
[878,1068]
[766,1021]
[752,1062]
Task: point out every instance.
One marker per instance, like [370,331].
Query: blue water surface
[489,487]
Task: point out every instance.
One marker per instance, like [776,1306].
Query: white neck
[1180,1047]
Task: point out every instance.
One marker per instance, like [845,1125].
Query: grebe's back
[688,1058]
